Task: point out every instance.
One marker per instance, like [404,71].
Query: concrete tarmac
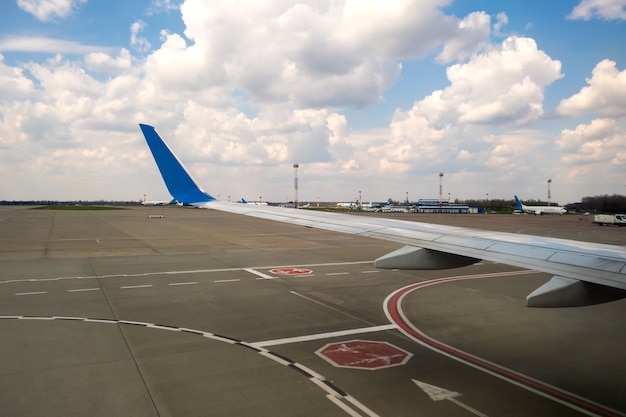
[108,313]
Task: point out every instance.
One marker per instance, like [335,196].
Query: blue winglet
[518,203]
[178,181]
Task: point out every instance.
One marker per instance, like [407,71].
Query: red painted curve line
[394,312]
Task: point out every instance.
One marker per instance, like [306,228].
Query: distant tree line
[69,203]
[598,204]
[605,204]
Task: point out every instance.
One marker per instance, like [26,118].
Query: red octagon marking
[291,271]
[364,354]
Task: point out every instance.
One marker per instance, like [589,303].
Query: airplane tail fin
[519,204]
[178,181]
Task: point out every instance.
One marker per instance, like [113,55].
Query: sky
[370,98]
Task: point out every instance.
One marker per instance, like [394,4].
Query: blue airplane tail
[178,181]
[518,203]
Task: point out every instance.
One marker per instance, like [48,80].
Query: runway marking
[370,272]
[337,273]
[31,293]
[84,289]
[393,310]
[261,275]
[332,391]
[343,406]
[129,287]
[441,394]
[182,283]
[181,272]
[327,335]
[227,280]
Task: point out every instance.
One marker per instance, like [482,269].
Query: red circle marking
[291,271]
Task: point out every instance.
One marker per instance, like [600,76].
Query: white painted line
[360,406]
[219,338]
[334,394]
[197,271]
[320,383]
[156,326]
[337,273]
[274,357]
[467,407]
[311,372]
[137,323]
[84,289]
[227,280]
[108,321]
[344,407]
[310,337]
[261,275]
[370,272]
[31,293]
[182,283]
[136,286]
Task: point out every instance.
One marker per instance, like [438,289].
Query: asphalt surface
[113,313]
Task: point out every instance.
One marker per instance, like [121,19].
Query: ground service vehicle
[610,219]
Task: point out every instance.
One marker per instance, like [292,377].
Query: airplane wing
[584,272]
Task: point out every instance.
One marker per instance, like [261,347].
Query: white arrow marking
[438,394]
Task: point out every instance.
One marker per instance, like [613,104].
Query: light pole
[295,184]
[440,189]
[549,181]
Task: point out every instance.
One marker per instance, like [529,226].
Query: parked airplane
[254,203]
[351,205]
[156,203]
[541,210]
[584,273]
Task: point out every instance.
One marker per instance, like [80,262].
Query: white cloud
[102,62]
[157,6]
[601,141]
[472,35]
[62,78]
[13,83]
[139,42]
[48,45]
[593,156]
[503,86]
[251,88]
[501,20]
[472,124]
[303,54]
[605,93]
[48,10]
[602,9]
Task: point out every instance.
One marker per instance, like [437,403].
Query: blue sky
[370,96]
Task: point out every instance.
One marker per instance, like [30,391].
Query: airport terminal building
[439,206]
